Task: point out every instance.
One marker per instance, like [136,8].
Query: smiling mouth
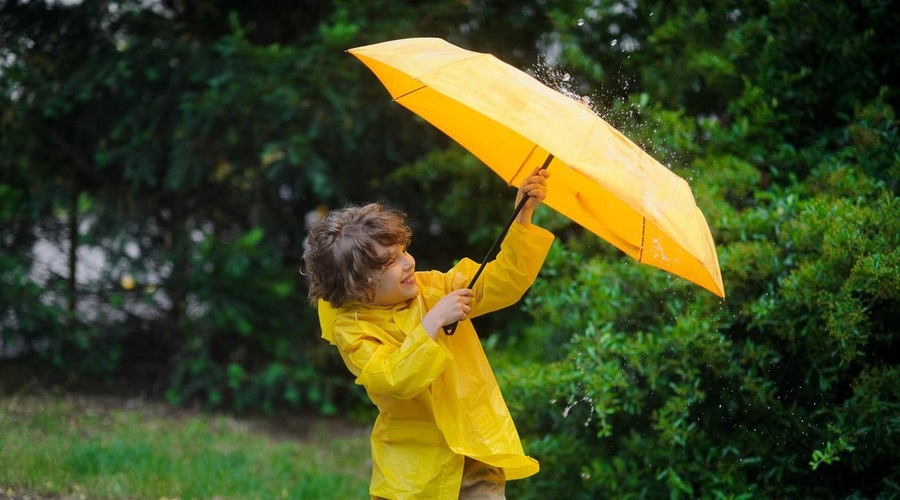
[409,281]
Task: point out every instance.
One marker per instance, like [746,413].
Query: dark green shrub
[787,388]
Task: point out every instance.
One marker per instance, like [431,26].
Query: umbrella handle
[451,328]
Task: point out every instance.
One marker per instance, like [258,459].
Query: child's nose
[409,261]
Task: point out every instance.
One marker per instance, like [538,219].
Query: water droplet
[614,43]
[581,22]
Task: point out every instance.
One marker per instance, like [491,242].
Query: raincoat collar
[327,313]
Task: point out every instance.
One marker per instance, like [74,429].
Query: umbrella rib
[410,92]
[643,233]
[473,56]
[525,160]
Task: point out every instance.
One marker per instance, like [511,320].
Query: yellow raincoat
[438,400]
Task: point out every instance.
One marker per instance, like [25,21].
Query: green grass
[79,447]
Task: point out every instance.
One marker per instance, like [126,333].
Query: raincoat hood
[326,320]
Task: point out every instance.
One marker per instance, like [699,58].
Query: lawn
[98,447]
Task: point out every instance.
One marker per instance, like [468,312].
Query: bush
[786,388]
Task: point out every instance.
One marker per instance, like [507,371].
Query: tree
[186,156]
[189,145]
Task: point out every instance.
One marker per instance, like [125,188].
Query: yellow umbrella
[513,123]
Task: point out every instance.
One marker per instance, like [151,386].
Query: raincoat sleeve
[383,367]
[506,278]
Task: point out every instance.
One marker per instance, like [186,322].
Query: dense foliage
[788,388]
[182,146]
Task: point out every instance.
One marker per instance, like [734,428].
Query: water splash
[573,401]
[556,78]
[626,114]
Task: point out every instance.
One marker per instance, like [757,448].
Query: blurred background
[161,162]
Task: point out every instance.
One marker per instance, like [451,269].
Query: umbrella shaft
[451,328]
[492,252]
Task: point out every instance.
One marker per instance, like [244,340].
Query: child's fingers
[540,171]
[464,306]
[536,179]
[537,188]
[533,188]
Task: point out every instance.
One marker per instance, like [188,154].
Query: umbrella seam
[643,235]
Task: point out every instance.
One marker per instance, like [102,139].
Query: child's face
[397,282]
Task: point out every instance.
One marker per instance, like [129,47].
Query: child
[443,430]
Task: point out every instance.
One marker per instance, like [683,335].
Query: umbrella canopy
[514,124]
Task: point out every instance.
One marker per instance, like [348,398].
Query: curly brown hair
[340,260]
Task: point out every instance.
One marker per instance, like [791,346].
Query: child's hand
[455,306]
[535,188]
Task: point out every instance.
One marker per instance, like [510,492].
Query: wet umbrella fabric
[514,123]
